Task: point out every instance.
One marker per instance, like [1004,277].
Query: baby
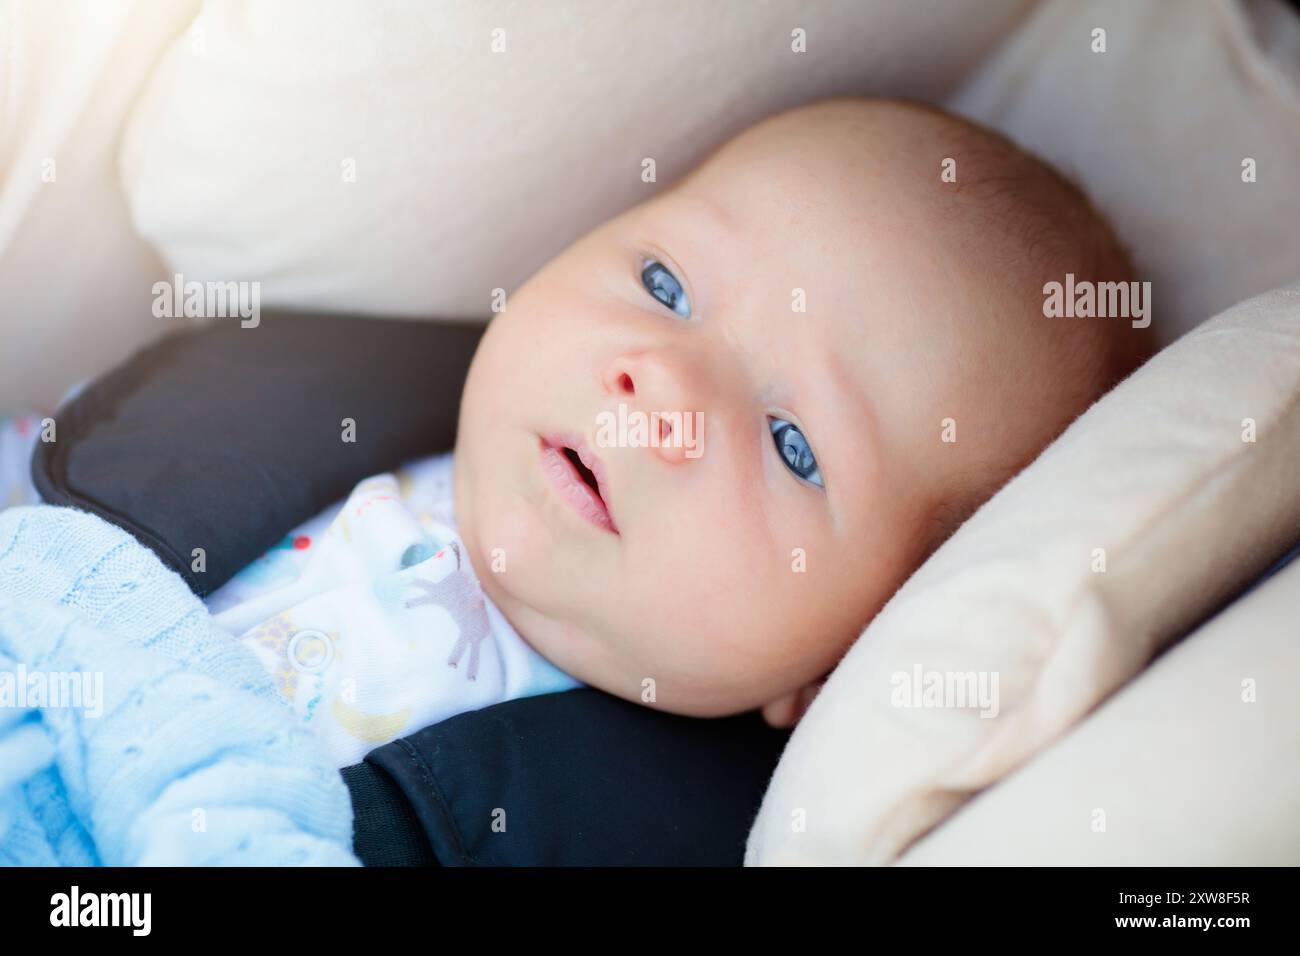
[835,329]
[829,304]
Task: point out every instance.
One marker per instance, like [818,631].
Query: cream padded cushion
[74,276]
[1158,475]
[1196,762]
[473,168]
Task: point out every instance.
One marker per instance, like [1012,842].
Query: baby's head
[826,303]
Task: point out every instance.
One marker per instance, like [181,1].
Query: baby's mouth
[584,472]
[576,473]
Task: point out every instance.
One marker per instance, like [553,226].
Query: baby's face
[807,312]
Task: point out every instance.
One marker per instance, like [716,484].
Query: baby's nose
[663,378]
[659,387]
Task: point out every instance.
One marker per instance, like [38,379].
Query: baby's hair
[1049,224]
[1055,223]
[1050,227]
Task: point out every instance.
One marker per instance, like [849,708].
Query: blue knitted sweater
[133,730]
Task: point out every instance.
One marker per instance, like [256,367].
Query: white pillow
[1195,762]
[1147,512]
[1157,128]
[474,168]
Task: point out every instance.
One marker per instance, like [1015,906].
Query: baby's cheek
[512,550]
[810,597]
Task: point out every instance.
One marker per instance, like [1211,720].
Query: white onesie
[372,621]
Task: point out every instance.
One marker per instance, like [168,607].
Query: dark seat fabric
[582,778]
[226,438]
[385,828]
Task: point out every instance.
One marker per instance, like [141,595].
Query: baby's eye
[795,451]
[663,285]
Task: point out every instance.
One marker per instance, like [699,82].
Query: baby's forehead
[836,147]
[755,186]
[826,207]
[783,227]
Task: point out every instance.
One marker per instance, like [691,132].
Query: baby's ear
[787,710]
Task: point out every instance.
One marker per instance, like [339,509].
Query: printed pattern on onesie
[372,621]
